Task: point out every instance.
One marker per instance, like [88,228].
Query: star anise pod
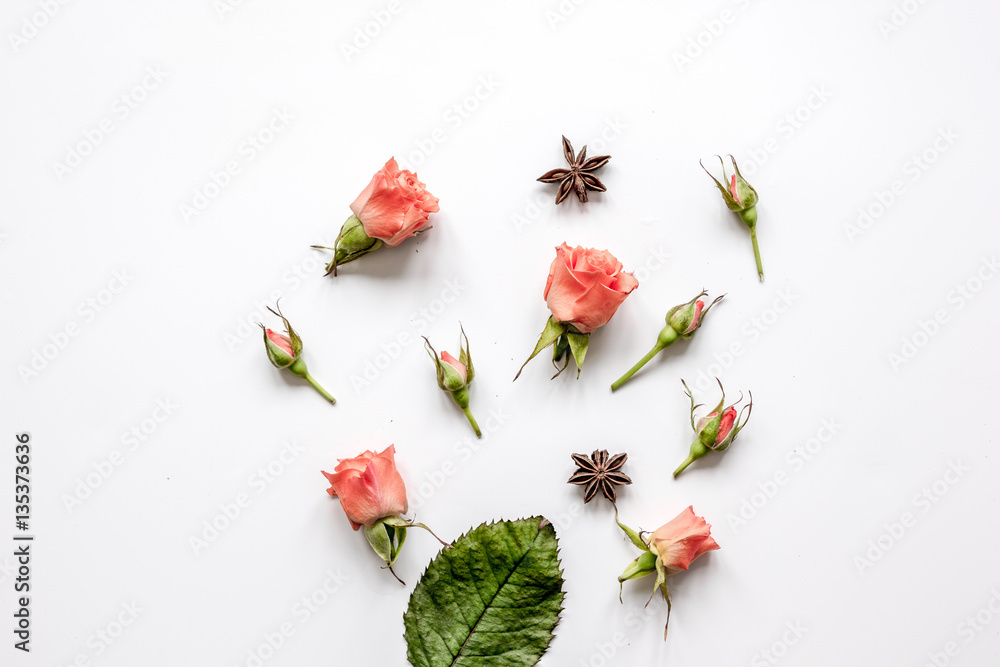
[578,177]
[599,473]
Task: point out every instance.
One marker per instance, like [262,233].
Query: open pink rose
[586,286]
[369,487]
[395,205]
[681,540]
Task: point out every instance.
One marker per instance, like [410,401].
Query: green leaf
[493,599]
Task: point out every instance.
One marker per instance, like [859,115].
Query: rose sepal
[352,242]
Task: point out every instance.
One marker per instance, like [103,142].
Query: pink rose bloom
[586,286]
[395,205]
[369,487]
[681,540]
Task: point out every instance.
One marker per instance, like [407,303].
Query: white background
[825,108]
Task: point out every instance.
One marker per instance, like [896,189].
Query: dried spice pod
[579,177]
[599,472]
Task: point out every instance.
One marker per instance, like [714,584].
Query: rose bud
[584,289]
[682,322]
[455,375]
[373,496]
[716,431]
[670,549]
[285,352]
[741,198]
[394,207]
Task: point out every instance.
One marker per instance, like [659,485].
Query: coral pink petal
[726,425]
[360,500]
[698,307]
[390,487]
[359,462]
[456,364]
[284,342]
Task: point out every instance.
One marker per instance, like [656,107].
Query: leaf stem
[688,461]
[472,420]
[756,252]
[642,362]
[316,385]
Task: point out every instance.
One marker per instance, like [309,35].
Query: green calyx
[568,341]
[352,242]
[640,567]
[646,564]
[386,537]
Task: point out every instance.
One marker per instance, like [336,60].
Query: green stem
[688,461]
[323,392]
[632,371]
[756,252]
[472,420]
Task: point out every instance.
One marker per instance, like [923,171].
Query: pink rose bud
[373,496]
[670,549]
[584,289]
[455,375]
[394,207]
[741,198]
[717,430]
[682,322]
[284,351]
